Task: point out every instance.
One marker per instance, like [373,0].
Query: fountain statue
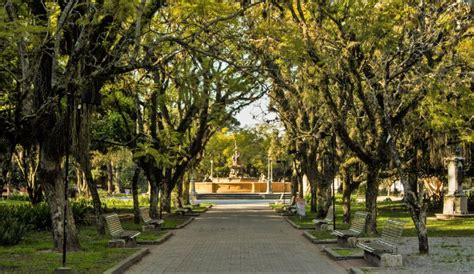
[235,182]
[235,168]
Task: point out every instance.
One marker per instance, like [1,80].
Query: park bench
[181,201]
[386,244]
[184,210]
[319,224]
[155,224]
[120,237]
[357,227]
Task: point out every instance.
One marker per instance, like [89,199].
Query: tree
[380,76]
[72,49]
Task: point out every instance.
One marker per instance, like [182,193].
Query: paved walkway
[237,238]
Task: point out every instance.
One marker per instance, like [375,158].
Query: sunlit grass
[34,254]
[398,210]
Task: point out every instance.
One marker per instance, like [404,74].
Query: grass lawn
[174,220]
[347,251]
[322,234]
[13,202]
[171,221]
[34,255]
[201,208]
[151,236]
[386,210]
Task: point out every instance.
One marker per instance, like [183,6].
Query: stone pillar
[455,201]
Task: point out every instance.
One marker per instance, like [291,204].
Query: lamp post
[270,175]
[333,205]
[193,188]
[333,146]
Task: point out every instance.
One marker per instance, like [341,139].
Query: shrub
[13,223]
[470,202]
[144,200]
[39,216]
[19,197]
[80,209]
[12,230]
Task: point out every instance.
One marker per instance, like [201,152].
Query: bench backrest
[329,216]
[114,225]
[358,223]
[392,232]
[145,213]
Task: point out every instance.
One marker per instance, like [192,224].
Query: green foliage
[12,229]
[38,215]
[26,216]
[18,197]
[34,254]
[254,145]
[397,209]
[80,209]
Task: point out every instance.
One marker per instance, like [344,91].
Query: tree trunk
[82,185]
[49,172]
[100,226]
[6,152]
[136,205]
[346,196]
[118,186]
[153,198]
[186,190]
[371,199]
[110,177]
[414,198]
[165,197]
[27,161]
[300,187]
[313,197]
[323,199]
[180,192]
[419,219]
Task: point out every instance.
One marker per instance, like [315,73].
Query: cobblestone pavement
[237,238]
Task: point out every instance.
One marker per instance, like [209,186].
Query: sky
[255,113]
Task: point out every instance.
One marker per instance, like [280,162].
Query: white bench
[121,237]
[180,208]
[320,223]
[356,229]
[386,244]
[155,223]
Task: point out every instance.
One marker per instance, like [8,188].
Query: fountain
[237,183]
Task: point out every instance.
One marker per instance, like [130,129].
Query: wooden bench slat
[357,226]
[145,214]
[116,230]
[387,243]
[327,220]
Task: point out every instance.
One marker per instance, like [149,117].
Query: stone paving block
[235,239]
